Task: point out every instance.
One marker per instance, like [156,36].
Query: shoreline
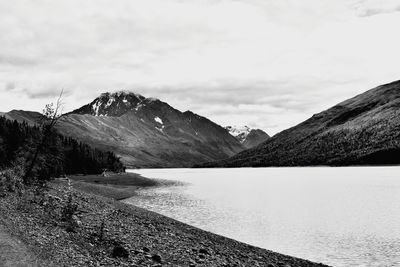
[116,186]
[149,238]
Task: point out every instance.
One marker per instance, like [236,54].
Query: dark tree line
[376,142]
[81,158]
[59,155]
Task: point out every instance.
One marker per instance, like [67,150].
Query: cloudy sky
[265,63]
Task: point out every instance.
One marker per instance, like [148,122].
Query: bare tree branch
[51,115]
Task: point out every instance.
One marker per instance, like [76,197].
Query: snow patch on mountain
[240,133]
[139,106]
[96,107]
[160,129]
[152,99]
[158,120]
[122,93]
[161,125]
[110,101]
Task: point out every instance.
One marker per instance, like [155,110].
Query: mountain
[239,132]
[145,132]
[31,117]
[254,138]
[362,130]
[246,136]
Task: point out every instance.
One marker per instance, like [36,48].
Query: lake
[338,216]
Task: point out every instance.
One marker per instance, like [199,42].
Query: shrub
[11,180]
[69,210]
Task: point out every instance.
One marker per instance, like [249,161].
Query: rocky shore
[106,232]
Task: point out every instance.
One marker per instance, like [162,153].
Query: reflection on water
[338,216]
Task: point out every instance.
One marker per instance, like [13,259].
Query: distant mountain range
[145,132]
[246,136]
[362,130]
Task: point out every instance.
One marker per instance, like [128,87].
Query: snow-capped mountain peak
[239,132]
[246,136]
[121,93]
[147,132]
[114,104]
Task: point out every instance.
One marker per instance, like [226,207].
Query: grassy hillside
[362,130]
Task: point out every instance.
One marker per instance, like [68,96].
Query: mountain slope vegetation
[146,132]
[362,130]
[60,155]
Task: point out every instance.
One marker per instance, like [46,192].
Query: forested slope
[362,130]
[59,155]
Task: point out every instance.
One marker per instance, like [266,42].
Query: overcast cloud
[264,63]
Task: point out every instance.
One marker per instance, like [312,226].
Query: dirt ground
[13,253]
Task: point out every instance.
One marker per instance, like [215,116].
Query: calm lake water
[337,216]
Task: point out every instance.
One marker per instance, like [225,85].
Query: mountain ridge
[162,135]
[247,136]
[145,132]
[364,129]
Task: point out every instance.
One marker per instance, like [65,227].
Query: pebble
[203,251]
[120,251]
[156,258]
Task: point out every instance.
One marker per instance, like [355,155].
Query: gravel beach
[107,232]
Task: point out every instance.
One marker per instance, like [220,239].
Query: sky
[268,64]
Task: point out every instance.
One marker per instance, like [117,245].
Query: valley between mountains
[363,130]
[149,133]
